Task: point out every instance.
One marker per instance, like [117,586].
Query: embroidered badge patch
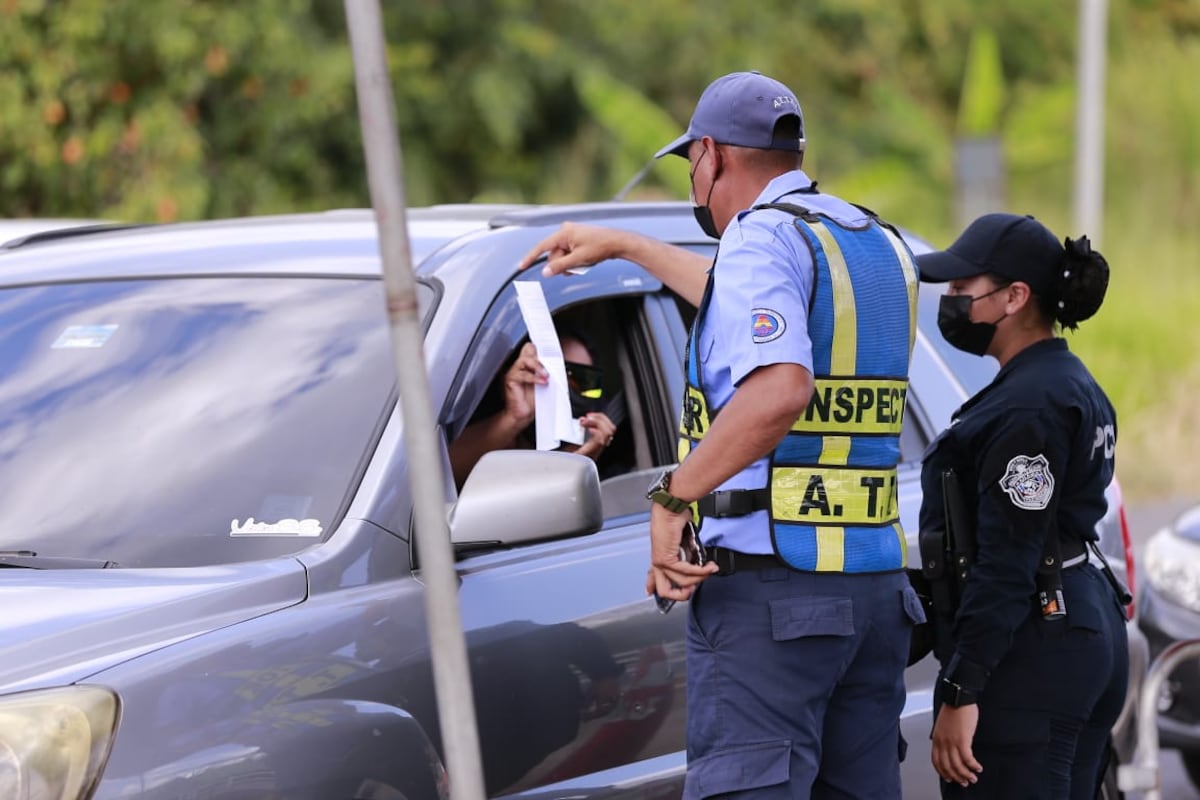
[767,325]
[1028,482]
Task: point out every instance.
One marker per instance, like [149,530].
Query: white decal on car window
[285,527]
[77,336]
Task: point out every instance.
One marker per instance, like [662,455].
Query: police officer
[1027,693]
[796,651]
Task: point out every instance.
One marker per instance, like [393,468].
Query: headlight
[54,742]
[1173,567]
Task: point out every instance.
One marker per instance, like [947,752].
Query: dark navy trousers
[796,684]
[1047,709]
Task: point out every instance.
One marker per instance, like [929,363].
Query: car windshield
[188,421]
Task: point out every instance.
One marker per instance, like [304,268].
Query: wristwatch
[962,681]
[955,695]
[659,492]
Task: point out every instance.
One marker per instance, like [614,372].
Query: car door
[579,680]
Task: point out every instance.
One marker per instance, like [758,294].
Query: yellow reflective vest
[833,493]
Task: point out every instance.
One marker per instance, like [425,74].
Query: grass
[1144,348]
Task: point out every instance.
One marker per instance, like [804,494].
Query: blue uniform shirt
[763,264]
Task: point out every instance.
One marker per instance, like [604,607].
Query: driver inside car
[511,428]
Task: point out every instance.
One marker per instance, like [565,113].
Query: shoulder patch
[1028,482]
[766,325]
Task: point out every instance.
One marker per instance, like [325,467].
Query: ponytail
[1080,285]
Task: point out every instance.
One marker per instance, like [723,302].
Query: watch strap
[669,501]
[660,492]
[963,681]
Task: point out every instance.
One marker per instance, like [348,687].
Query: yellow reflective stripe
[835,450]
[844,358]
[693,418]
[853,406]
[831,541]
[910,282]
[833,496]
[831,549]
[903,541]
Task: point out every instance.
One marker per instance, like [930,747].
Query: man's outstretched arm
[576,245]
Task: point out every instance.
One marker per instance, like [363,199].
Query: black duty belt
[734,502]
[731,561]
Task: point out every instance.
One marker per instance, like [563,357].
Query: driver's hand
[519,381]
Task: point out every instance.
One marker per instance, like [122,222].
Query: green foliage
[983,87]
[163,109]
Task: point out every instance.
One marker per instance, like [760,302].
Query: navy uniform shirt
[1036,446]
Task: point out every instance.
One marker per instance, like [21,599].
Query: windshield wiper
[28,559]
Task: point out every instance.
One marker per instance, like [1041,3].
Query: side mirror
[519,496]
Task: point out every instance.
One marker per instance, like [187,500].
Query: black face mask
[703,213]
[582,406]
[585,387]
[954,321]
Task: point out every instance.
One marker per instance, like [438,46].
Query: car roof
[339,243]
[335,243]
[17,228]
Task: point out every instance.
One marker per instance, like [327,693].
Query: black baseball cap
[1009,245]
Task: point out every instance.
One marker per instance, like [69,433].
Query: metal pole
[1142,774]
[1089,119]
[381,143]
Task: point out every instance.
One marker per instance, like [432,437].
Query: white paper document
[552,403]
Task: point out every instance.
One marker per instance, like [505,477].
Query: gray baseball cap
[742,109]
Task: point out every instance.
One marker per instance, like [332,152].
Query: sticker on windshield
[284,527]
[84,336]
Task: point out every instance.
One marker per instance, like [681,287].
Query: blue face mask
[703,213]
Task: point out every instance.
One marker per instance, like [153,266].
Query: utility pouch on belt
[934,546]
[1049,580]
[960,530]
[934,554]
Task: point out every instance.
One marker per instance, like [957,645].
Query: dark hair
[567,331]
[1079,286]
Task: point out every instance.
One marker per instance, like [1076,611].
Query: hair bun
[1081,284]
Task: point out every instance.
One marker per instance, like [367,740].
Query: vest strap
[734,502]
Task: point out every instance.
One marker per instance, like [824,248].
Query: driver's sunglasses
[585,380]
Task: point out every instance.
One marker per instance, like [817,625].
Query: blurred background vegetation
[159,110]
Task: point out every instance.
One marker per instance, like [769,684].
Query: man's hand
[518,387]
[573,246]
[669,576]
[952,735]
[577,246]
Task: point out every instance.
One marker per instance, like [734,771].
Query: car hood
[61,626]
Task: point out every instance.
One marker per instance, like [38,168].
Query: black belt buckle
[733,502]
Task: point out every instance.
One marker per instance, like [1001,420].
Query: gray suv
[210,585]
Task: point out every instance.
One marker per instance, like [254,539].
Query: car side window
[625,351]
[593,350]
